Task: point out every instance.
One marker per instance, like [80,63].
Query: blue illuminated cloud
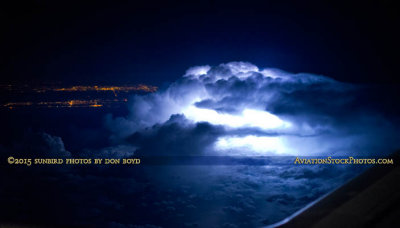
[262,111]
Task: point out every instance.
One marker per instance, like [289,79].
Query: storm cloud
[239,109]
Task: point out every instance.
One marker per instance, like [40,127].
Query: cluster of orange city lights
[92,102]
[96,103]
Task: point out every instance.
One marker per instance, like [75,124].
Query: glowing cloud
[252,145]
[307,114]
[248,118]
[197,71]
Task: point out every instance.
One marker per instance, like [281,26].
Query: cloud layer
[234,109]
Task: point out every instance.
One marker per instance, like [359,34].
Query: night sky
[241,88]
[155,42]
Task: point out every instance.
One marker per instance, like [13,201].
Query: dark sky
[152,42]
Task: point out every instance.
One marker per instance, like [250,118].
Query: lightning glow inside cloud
[261,111]
[253,145]
[248,118]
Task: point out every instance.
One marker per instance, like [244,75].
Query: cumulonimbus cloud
[258,112]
